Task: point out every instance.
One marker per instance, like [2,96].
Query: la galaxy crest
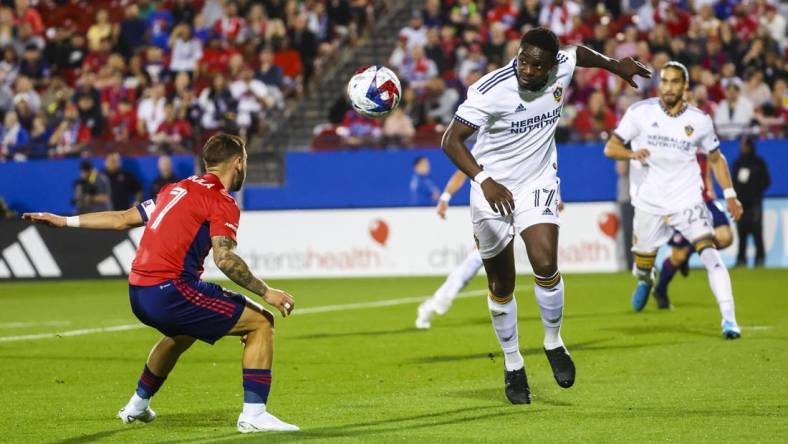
[689,130]
[558,93]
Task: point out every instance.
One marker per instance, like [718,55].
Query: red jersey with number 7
[178,229]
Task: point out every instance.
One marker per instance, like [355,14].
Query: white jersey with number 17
[669,180]
[515,143]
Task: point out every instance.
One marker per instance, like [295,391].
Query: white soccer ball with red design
[374,91]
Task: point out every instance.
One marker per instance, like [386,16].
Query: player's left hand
[735,208]
[442,207]
[629,68]
[53,220]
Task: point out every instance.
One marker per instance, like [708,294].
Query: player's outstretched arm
[456,182]
[719,165]
[626,68]
[103,220]
[615,149]
[453,144]
[237,270]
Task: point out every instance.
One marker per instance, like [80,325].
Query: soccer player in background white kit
[515,110]
[665,133]
[444,296]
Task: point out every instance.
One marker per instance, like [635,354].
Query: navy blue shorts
[718,219]
[198,309]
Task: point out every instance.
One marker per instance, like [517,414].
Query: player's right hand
[498,196]
[280,299]
[53,220]
[442,207]
[640,154]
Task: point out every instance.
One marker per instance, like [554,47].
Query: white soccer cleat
[129,414]
[424,316]
[263,422]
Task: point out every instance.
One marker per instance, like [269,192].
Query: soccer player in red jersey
[187,220]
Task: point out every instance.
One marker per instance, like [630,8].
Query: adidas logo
[119,262]
[547,212]
[654,125]
[28,257]
[520,108]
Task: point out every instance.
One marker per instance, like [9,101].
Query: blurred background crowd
[735,52]
[79,77]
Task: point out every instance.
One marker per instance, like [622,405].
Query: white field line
[34,324]
[303,311]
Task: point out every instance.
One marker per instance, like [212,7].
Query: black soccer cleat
[563,367]
[516,386]
[663,303]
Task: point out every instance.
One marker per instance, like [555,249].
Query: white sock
[504,320]
[720,282]
[138,403]
[253,409]
[551,306]
[456,281]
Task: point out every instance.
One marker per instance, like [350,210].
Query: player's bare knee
[724,238]
[544,268]
[501,290]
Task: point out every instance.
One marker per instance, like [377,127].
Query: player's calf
[720,283]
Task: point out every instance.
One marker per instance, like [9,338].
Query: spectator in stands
[735,113]
[9,66]
[700,98]
[473,61]
[357,130]
[25,91]
[133,31]
[165,176]
[219,107]
[422,190]
[160,22]
[440,103]
[27,15]
[754,88]
[7,27]
[124,121]
[254,99]
[91,190]
[558,16]
[70,136]
[13,138]
[398,129]
[173,133]
[750,180]
[183,11]
[230,27]
[596,120]
[305,42]
[125,189]
[6,98]
[415,34]
[186,50]
[34,66]
[38,145]
[90,113]
[418,70]
[268,72]
[150,112]
[100,30]
[495,47]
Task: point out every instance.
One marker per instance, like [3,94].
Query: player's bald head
[222,148]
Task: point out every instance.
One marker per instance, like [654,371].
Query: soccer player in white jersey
[444,296]
[664,134]
[515,110]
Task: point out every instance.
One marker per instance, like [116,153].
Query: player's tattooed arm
[234,267]
[626,68]
[102,220]
[238,271]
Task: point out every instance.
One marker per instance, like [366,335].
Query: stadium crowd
[735,52]
[157,75]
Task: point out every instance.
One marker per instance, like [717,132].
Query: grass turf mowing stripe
[304,311]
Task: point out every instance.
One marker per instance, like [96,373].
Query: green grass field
[364,374]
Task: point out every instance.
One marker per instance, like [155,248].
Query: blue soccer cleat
[730,330]
[640,296]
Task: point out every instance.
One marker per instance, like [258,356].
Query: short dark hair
[418,159]
[542,38]
[221,148]
[86,166]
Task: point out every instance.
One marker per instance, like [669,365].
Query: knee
[679,255]
[724,238]
[502,288]
[544,267]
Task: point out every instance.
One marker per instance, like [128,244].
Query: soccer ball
[374,91]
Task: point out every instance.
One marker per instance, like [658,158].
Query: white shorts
[533,204]
[651,231]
